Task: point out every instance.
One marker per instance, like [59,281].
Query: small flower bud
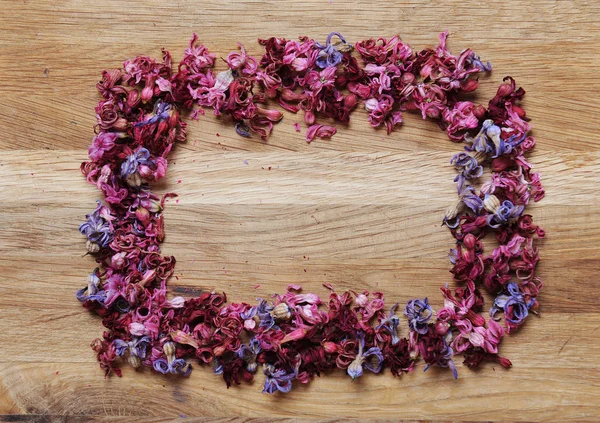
[252,367]
[249,324]
[407,78]
[219,350]
[134,180]
[147,93]
[350,101]
[137,329]
[153,206]
[371,104]
[118,261]
[273,115]
[455,209]
[355,368]
[309,117]
[491,203]
[362,300]
[121,124]
[441,328]
[143,215]
[92,247]
[173,118]
[281,312]
[330,347]
[169,349]
[470,241]
[134,361]
[133,98]
[289,95]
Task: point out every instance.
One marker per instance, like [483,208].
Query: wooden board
[361,210]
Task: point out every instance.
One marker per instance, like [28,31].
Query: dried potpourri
[296,335]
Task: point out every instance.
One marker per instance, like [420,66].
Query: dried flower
[330,56]
[277,379]
[97,229]
[372,359]
[419,313]
[514,306]
[281,312]
[171,364]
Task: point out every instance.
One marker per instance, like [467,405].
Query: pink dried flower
[319,131]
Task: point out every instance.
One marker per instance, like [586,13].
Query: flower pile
[294,336]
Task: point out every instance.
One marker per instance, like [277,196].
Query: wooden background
[361,210]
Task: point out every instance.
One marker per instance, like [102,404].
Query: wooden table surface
[361,210]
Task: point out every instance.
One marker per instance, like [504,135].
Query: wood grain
[361,210]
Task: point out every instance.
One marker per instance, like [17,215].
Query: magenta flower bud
[176,302]
[133,98]
[147,94]
[273,115]
[249,324]
[145,171]
[294,335]
[309,117]
[173,118]
[289,95]
[330,347]
[350,101]
[153,206]
[137,329]
[142,215]
[470,241]
[441,328]
[371,104]
[362,300]
[119,261]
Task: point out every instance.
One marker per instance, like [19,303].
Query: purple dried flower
[504,213]
[391,323]
[97,228]
[171,364]
[329,55]
[482,141]
[161,112]
[137,346]
[263,311]
[476,62]
[178,366]
[372,359]
[248,353]
[418,312]
[242,129]
[130,165]
[217,366]
[513,304]
[277,379]
[92,292]
[467,166]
